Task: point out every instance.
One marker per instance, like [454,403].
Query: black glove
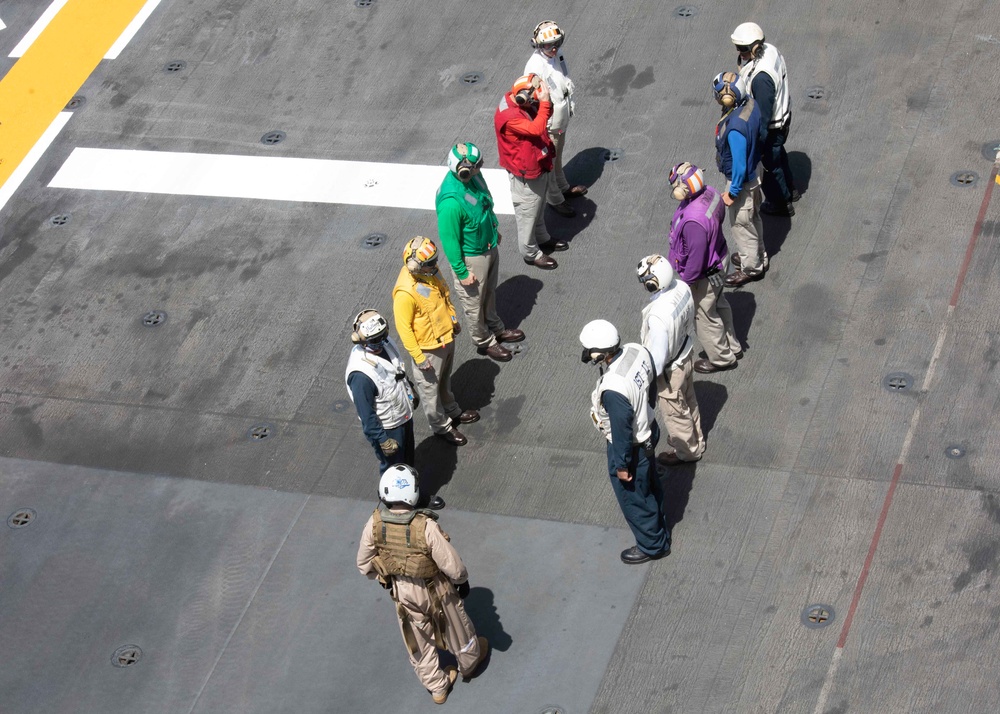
[463,589]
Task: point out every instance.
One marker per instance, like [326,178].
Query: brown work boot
[442,697]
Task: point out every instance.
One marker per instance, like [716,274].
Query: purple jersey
[697,245]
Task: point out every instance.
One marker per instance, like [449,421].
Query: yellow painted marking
[41,83]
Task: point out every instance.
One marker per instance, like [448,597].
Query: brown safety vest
[401,544]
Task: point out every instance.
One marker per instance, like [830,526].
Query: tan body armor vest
[401,544]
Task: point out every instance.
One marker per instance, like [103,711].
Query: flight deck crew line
[402,546]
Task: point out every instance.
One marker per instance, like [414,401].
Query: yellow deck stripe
[40,84]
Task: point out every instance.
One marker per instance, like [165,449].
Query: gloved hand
[717,279]
[463,589]
[456,327]
[389,447]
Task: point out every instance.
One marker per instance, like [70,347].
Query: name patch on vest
[471,199]
[424,290]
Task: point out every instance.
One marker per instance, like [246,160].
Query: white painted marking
[2,26]
[271,178]
[36,29]
[24,168]
[831,672]
[133,27]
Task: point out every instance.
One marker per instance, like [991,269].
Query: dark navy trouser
[404,437]
[641,501]
[777,182]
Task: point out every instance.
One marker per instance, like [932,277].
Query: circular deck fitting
[174,66]
[613,155]
[154,318]
[898,382]
[964,179]
[552,710]
[954,451]
[685,11]
[273,137]
[126,656]
[817,616]
[60,219]
[76,102]
[373,240]
[341,405]
[364,3]
[261,432]
[21,517]
[470,78]
[816,93]
[990,150]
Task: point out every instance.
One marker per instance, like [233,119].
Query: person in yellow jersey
[426,322]
[405,550]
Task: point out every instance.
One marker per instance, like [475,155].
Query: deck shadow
[516,298]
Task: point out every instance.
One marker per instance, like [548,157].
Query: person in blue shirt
[737,153]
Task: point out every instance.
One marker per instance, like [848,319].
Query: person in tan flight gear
[405,549]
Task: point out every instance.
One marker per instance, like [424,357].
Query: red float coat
[522,140]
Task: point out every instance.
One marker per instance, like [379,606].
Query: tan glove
[389,447]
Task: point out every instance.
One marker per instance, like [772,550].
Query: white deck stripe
[270,178]
[133,27]
[2,26]
[37,28]
[24,168]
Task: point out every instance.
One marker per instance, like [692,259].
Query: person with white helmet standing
[467,228]
[699,256]
[548,62]
[737,153]
[622,413]
[667,333]
[763,68]
[378,387]
[405,550]
[426,322]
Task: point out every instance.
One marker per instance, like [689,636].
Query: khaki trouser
[747,228]
[528,196]
[558,185]
[713,321]
[479,300]
[435,388]
[679,409]
[459,634]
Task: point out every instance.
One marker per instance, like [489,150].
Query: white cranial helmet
[747,35]
[399,484]
[655,273]
[599,339]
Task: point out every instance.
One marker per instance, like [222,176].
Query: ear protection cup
[681,191]
[726,97]
[523,97]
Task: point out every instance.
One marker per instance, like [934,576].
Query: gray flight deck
[229,561]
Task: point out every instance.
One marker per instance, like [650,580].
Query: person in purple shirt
[699,256]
